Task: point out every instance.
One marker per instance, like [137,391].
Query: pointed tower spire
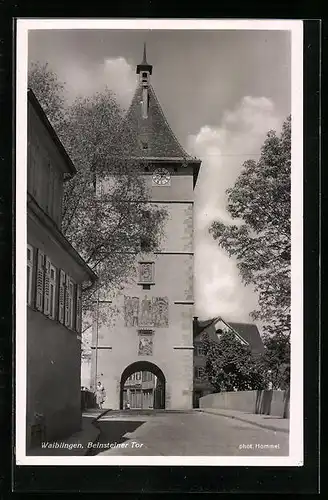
[144,61]
[144,66]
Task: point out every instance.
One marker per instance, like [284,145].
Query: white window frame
[199,350]
[72,294]
[29,269]
[198,374]
[69,302]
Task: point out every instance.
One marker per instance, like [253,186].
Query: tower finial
[144,60]
[144,66]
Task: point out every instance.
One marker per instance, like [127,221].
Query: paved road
[185,433]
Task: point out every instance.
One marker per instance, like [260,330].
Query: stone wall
[275,403]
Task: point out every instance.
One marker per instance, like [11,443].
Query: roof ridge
[237,333]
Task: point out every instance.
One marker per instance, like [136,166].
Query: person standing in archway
[100,395]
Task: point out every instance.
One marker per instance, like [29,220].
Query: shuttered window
[61,296]
[67,301]
[48,279]
[71,304]
[29,270]
[46,298]
[39,281]
[52,292]
[78,323]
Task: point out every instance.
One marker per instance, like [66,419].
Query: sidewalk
[76,444]
[270,422]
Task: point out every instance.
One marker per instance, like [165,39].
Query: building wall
[53,353]
[172,345]
[45,172]
[53,377]
[201,386]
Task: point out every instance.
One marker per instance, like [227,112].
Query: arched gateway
[159,385]
[153,316]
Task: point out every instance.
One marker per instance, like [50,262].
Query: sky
[221,92]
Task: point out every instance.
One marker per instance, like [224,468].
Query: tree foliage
[232,366]
[260,239]
[106,214]
[49,90]
[276,360]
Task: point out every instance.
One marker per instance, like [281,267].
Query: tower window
[144,75]
[144,145]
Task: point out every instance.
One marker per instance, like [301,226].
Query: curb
[96,425]
[270,427]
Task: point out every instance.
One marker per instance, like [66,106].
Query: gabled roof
[154,131]
[245,331]
[202,325]
[251,334]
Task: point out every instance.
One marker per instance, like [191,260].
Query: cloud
[115,73]
[223,149]
[121,78]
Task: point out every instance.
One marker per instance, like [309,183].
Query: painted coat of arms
[145,345]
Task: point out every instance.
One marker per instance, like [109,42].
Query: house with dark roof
[246,333]
[55,275]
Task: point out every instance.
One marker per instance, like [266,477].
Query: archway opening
[142,387]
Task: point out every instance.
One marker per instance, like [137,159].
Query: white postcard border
[295,27]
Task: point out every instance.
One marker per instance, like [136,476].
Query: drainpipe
[97,334]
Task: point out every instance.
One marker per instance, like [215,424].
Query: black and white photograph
[159,280]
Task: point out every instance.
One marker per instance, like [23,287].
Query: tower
[153,327]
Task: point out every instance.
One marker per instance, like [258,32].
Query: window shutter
[39,281]
[52,297]
[61,301]
[67,301]
[71,311]
[78,309]
[46,301]
[29,268]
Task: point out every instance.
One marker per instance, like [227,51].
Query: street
[184,433]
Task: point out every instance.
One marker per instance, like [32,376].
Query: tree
[276,360]
[260,239]
[231,365]
[49,90]
[106,214]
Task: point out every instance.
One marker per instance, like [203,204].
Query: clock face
[161,177]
